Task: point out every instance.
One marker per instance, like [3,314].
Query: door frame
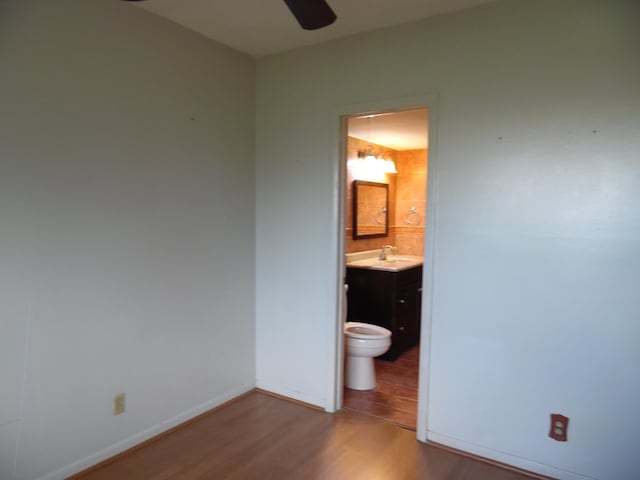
[338,120]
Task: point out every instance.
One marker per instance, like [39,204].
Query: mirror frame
[360,236]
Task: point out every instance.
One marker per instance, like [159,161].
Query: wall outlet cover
[559,427]
[118,404]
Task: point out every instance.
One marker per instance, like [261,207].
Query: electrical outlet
[118,404]
[559,427]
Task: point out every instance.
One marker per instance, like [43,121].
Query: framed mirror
[370,209]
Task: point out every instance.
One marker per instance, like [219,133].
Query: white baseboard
[140,437]
[506,458]
[285,392]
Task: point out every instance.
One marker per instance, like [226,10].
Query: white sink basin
[393,263]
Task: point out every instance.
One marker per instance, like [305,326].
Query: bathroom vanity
[387,293]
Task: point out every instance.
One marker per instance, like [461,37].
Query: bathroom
[387,151]
[401,138]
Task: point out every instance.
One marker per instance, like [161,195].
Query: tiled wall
[407,189]
[411,193]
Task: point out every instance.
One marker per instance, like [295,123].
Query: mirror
[370,209]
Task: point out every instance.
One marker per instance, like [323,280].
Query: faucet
[383,252]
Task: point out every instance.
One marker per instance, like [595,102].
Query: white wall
[126,229]
[537,250]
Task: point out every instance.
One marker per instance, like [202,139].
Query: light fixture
[374,161]
[388,165]
[367,154]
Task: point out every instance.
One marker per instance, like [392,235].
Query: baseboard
[291,400]
[293,395]
[502,459]
[146,436]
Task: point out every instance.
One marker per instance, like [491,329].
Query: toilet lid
[365,330]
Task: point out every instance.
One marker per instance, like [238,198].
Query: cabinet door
[406,315]
[369,299]
[356,296]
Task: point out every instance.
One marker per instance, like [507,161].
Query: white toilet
[363,342]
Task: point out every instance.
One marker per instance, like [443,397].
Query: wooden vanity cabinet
[389,299]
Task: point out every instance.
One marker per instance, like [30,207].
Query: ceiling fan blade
[311,14]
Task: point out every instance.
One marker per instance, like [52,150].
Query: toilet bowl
[363,342]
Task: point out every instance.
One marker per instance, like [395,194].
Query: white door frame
[336,341]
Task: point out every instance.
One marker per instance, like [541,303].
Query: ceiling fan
[310,14]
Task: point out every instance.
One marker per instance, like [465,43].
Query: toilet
[363,342]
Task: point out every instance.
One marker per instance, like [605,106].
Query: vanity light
[388,166]
[373,162]
[368,154]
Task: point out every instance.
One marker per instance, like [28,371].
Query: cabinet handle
[402,301]
[401,329]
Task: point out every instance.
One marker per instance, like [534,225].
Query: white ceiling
[397,131]
[263,27]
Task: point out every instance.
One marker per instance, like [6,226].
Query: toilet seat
[365,331]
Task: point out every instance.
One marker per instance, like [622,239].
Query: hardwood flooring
[263,437]
[395,397]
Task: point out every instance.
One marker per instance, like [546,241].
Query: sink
[393,263]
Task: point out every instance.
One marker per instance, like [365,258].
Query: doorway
[387,148]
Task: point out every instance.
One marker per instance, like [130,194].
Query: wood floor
[395,397]
[263,437]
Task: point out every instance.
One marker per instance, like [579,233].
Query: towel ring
[413,217]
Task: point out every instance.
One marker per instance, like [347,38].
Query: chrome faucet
[383,252]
